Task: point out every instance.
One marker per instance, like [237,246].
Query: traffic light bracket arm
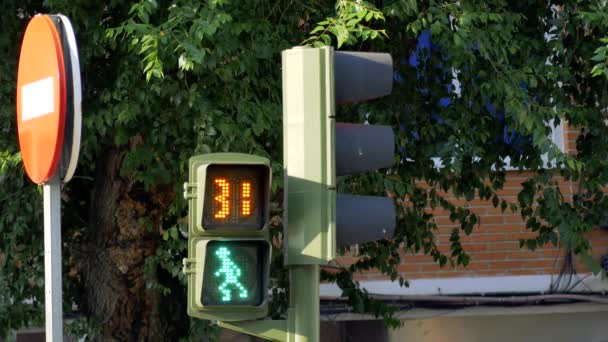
[273,330]
[189,190]
[189,264]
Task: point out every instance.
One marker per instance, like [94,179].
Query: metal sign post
[52,259]
[48,96]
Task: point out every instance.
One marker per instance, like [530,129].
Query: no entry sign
[41,98]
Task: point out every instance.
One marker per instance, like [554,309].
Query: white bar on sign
[37,99]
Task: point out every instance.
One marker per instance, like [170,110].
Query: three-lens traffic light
[228,247]
[317,149]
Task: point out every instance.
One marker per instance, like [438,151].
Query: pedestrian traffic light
[228,247]
[316,150]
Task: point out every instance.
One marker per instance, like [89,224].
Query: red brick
[486,220]
[439,212]
[521,264]
[485,237]
[418,258]
[514,218]
[475,247]
[490,256]
[510,191]
[407,268]
[508,245]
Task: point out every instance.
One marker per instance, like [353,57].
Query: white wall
[569,327]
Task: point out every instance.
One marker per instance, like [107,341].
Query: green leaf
[352,23]
[317,29]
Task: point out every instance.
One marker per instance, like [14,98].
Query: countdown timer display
[232,273]
[235,197]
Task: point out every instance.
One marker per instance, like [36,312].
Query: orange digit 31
[223,198]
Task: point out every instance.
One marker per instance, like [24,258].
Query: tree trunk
[117,244]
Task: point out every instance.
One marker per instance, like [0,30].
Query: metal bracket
[189,190]
[273,330]
[189,266]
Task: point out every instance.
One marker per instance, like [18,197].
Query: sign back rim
[67,172]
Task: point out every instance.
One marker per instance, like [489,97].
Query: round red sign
[41,99]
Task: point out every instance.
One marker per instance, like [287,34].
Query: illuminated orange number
[223,198]
[246,198]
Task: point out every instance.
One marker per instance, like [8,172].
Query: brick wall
[494,244]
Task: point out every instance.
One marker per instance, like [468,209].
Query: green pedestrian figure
[232,274]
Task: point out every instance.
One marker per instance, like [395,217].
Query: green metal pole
[304,300]
[309,210]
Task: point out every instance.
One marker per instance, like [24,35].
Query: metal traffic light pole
[304,320]
[308,115]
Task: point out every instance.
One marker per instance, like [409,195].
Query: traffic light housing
[228,246]
[317,149]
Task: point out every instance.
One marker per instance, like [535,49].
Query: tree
[165,80]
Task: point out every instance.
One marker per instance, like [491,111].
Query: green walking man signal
[232,274]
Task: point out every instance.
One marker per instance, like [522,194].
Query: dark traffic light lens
[236,197]
[234,273]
